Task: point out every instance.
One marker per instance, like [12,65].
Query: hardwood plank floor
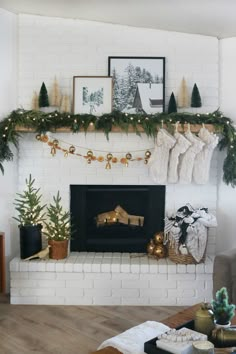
[28,329]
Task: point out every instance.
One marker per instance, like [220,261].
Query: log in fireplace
[115,218]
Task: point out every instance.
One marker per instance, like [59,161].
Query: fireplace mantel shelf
[181,128]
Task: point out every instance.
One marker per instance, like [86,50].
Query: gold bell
[71,149]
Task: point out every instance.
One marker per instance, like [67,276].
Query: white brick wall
[30,284]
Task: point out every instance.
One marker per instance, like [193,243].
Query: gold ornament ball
[38,137]
[150,247]
[55,142]
[89,153]
[159,251]
[158,238]
[128,156]
[148,154]
[109,156]
[72,149]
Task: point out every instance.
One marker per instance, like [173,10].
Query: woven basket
[182,258]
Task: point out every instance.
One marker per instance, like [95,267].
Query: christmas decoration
[181,146]
[201,168]
[222,310]
[43,96]
[196,98]
[90,155]
[35,101]
[55,95]
[149,124]
[57,227]
[156,246]
[172,107]
[183,97]
[65,104]
[158,238]
[159,160]
[28,205]
[187,234]
[187,162]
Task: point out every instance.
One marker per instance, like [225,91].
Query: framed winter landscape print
[92,95]
[138,84]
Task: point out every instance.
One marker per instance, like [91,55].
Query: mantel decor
[43,122]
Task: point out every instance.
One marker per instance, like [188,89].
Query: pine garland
[43,122]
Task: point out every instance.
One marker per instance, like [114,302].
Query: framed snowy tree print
[138,84]
[92,95]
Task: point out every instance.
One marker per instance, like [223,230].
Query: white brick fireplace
[74,47]
[107,278]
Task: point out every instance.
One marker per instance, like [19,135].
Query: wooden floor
[28,329]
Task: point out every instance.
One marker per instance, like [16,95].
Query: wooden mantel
[181,128]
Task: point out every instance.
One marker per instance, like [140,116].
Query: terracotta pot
[58,249]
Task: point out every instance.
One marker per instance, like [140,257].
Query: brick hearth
[109,279]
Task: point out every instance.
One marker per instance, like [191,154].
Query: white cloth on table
[132,341]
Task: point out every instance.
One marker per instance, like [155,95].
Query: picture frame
[92,95]
[138,84]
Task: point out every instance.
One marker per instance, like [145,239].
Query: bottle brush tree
[223,311]
[28,205]
[43,96]
[196,98]
[183,98]
[172,107]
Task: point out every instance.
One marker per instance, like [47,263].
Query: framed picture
[138,84]
[92,95]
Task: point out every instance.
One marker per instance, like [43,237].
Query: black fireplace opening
[115,218]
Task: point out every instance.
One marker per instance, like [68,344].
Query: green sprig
[42,122]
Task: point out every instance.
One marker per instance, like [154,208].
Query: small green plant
[28,205]
[58,227]
[223,311]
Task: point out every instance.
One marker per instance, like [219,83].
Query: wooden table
[172,321]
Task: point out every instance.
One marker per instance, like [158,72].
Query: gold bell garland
[110,159]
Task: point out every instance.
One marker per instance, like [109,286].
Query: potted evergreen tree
[223,311]
[30,216]
[57,229]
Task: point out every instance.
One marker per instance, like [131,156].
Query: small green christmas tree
[28,205]
[172,107]
[196,98]
[58,227]
[223,311]
[43,96]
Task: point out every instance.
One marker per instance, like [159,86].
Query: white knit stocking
[182,144]
[158,163]
[202,162]
[187,161]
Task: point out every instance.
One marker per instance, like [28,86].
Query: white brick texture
[72,287]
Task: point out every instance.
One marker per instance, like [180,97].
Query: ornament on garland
[183,97]
[196,98]
[35,102]
[156,246]
[55,95]
[43,96]
[172,107]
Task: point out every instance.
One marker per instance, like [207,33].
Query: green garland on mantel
[42,122]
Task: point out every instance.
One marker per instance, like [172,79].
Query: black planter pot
[30,240]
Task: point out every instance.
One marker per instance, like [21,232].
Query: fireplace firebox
[115,218]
